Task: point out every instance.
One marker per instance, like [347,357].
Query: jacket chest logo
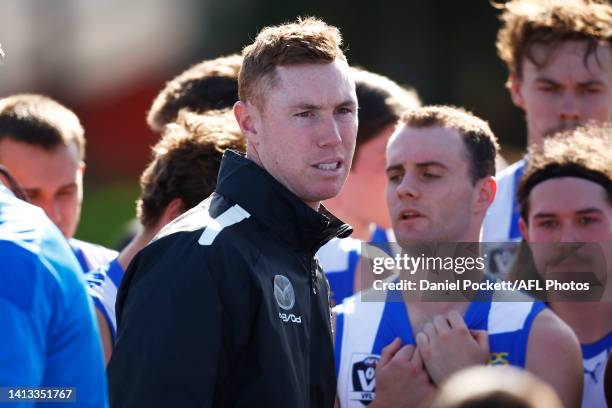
[283,292]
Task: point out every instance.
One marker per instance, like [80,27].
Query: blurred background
[107,60]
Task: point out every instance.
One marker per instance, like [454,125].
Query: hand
[446,345]
[401,380]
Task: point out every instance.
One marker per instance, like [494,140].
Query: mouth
[331,166]
[410,215]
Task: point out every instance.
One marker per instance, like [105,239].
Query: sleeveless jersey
[363,329]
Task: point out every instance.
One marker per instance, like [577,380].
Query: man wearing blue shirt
[49,336]
[42,144]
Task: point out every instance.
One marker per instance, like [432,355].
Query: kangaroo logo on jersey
[499,358]
[283,292]
[363,379]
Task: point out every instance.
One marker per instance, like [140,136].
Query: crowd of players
[218,301]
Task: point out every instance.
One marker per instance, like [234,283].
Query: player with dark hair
[499,387]
[183,172]
[49,336]
[208,85]
[42,144]
[565,198]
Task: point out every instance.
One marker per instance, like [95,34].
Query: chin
[323,194]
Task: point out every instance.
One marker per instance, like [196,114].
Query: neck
[141,240]
[424,312]
[314,205]
[588,330]
[533,140]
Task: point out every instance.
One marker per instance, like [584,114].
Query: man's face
[566,92]
[569,210]
[306,129]
[429,190]
[52,180]
[366,183]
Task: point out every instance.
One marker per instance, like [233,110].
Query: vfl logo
[283,292]
[364,380]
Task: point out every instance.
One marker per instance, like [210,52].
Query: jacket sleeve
[169,335]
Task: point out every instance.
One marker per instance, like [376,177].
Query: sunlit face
[367,181]
[569,210]
[429,192]
[565,92]
[52,180]
[304,132]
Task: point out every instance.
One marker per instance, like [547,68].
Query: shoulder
[357,319]
[33,246]
[211,238]
[551,338]
[510,171]
[335,255]
[19,274]
[94,254]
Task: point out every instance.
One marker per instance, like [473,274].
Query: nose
[330,134]
[568,234]
[407,188]
[569,108]
[52,210]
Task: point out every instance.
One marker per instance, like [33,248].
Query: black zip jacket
[228,307]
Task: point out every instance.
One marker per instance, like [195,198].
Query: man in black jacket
[228,306]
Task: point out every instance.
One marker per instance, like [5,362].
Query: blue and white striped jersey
[103,285]
[339,259]
[594,358]
[103,274]
[501,222]
[91,256]
[363,329]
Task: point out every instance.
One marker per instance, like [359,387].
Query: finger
[422,341]
[482,338]
[406,353]
[389,351]
[441,324]
[417,360]
[456,321]
[430,331]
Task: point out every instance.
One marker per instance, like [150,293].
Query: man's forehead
[568,194]
[422,145]
[314,83]
[570,54]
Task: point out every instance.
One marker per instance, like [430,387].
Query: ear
[247,116]
[524,229]
[485,194]
[174,208]
[514,86]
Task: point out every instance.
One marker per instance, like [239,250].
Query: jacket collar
[249,185]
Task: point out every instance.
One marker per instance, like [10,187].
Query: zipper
[313,275]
